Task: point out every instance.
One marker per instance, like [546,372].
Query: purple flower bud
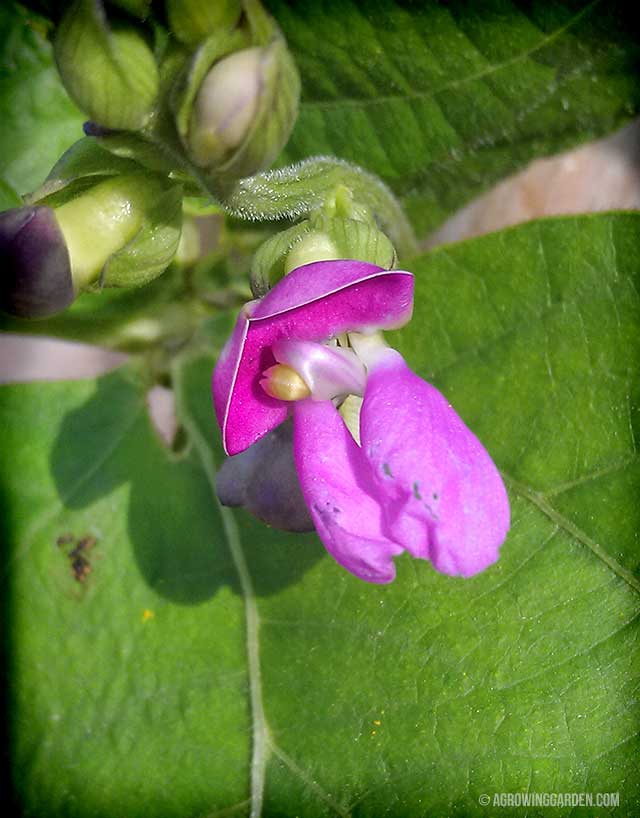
[264,480]
[36,279]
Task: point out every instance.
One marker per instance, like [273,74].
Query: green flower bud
[109,72]
[194,20]
[342,228]
[122,231]
[244,111]
[315,246]
[36,278]
[268,262]
[342,238]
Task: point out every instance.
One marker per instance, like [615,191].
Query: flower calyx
[341,228]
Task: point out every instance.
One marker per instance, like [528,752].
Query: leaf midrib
[263,744]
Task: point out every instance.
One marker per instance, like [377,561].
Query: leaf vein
[540,501]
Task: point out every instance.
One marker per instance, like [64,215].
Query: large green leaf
[443,99]
[205,651]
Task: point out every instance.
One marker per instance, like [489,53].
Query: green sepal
[194,20]
[262,25]
[152,249]
[356,239]
[137,148]
[110,72]
[82,165]
[268,262]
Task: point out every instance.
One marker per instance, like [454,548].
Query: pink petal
[328,371]
[313,303]
[337,487]
[445,499]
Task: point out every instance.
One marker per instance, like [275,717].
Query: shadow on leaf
[172,520]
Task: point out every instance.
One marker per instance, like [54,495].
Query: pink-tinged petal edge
[337,486]
[314,303]
[444,499]
[328,371]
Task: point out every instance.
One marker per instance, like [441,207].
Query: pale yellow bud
[284,383]
[315,246]
[226,106]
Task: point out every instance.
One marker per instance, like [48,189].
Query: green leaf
[39,121]
[260,660]
[441,100]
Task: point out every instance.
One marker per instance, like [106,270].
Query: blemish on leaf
[81,568]
[83,545]
[147,615]
[78,555]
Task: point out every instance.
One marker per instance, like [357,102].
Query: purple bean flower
[384,462]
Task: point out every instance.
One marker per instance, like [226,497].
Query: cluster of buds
[214,103]
[221,93]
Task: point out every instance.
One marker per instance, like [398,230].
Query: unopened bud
[336,237]
[109,72]
[121,232]
[226,106]
[194,20]
[244,111]
[315,246]
[264,480]
[36,279]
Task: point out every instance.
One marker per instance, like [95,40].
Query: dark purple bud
[264,480]
[36,276]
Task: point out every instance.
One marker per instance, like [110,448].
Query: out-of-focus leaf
[39,121]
